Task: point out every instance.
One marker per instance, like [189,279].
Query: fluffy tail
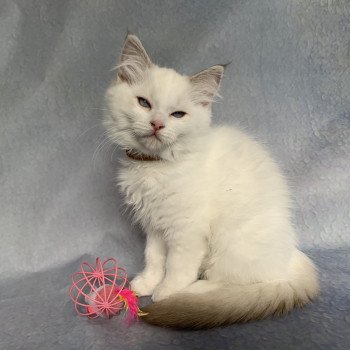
[236,303]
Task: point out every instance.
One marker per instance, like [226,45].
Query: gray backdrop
[288,85]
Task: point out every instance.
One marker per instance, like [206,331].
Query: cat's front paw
[162,292]
[143,285]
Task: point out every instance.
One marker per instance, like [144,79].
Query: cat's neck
[181,150]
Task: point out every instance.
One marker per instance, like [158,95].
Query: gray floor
[288,85]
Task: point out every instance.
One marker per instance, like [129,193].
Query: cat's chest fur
[159,194]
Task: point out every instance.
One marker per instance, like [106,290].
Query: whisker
[105,147]
[101,109]
[115,148]
[84,132]
[105,150]
[100,146]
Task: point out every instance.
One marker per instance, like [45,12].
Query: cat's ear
[133,60]
[206,84]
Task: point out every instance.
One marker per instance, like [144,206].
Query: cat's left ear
[134,60]
[206,84]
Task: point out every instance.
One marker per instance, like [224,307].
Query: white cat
[214,205]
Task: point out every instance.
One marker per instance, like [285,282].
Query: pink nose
[157,125]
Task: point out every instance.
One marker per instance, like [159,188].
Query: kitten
[214,206]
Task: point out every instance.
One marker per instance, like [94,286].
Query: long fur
[215,208]
[228,304]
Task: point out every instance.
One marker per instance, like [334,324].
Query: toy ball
[102,291]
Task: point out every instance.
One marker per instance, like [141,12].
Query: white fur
[216,206]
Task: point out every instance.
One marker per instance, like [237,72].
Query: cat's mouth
[153,136]
[151,141]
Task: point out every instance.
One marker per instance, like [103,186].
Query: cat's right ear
[206,84]
[133,60]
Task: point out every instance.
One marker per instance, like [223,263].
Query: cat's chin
[152,143]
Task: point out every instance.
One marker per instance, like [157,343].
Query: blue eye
[178,114]
[144,103]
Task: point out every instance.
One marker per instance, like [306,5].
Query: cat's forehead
[166,87]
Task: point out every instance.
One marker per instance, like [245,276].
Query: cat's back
[240,163]
[232,146]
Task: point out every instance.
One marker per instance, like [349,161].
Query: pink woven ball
[102,291]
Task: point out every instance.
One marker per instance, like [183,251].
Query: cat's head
[157,111]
